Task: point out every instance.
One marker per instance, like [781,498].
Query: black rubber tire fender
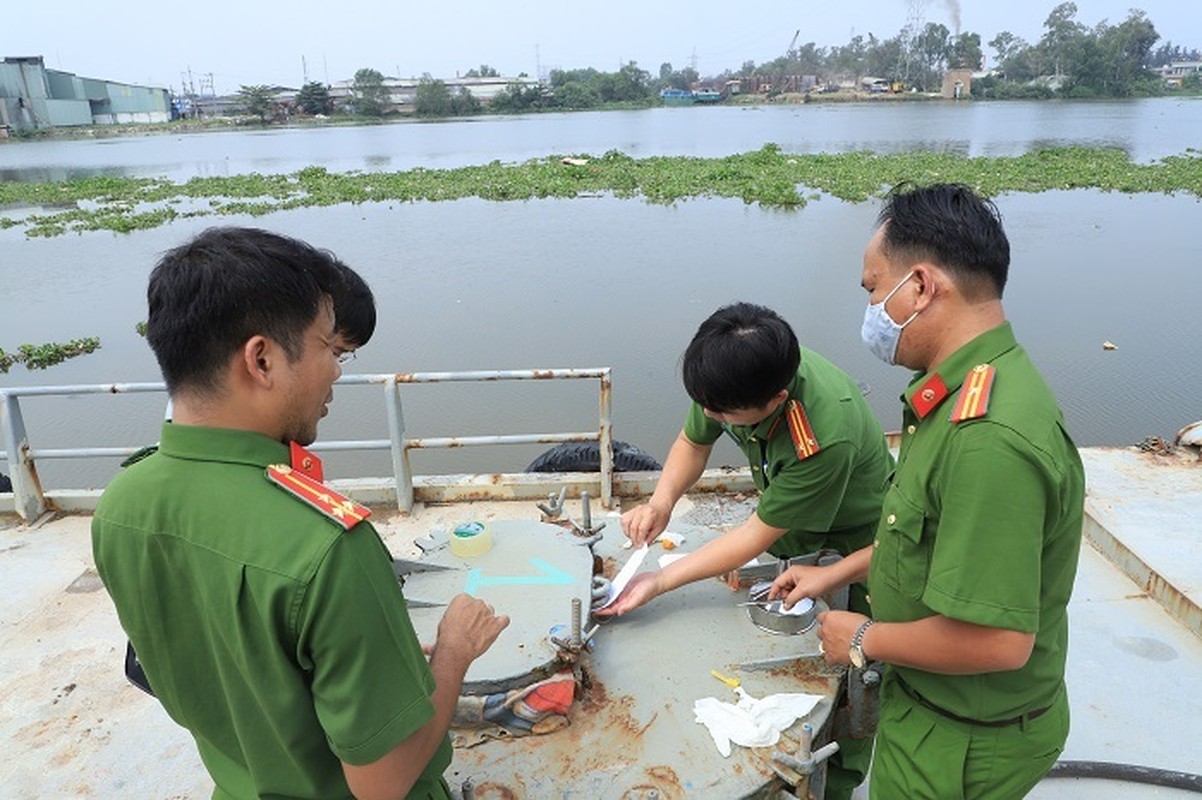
[586,457]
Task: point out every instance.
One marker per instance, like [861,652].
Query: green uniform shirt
[982,523]
[831,499]
[279,640]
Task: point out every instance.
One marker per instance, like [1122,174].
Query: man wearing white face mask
[976,550]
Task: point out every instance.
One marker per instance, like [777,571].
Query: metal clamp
[590,533]
[554,505]
[807,760]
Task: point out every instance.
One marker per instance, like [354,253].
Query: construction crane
[779,85]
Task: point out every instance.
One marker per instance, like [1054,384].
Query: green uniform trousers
[923,755]
[848,768]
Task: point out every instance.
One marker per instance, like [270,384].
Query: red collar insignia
[305,462]
[929,395]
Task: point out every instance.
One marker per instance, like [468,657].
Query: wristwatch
[856,656]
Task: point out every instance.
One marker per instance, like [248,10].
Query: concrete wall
[66,113]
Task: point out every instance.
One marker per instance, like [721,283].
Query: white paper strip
[625,574]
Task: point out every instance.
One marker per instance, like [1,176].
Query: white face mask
[879,332]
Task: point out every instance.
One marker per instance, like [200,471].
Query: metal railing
[30,500]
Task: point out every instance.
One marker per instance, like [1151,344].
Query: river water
[592,282]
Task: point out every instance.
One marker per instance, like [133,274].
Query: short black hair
[740,357]
[951,226]
[208,296]
[354,308]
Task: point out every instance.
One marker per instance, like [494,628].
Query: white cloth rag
[751,722]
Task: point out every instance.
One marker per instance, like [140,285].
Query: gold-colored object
[729,681]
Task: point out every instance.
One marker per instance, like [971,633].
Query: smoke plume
[953,8]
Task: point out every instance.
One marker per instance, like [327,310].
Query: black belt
[990,723]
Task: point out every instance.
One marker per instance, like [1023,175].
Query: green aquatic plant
[42,356]
[769,177]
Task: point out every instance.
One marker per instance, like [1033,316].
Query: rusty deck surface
[71,726]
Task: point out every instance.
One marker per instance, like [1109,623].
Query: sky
[236,42]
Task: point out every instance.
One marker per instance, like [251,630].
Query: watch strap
[857,640]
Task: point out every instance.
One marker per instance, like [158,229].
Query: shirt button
[892,518]
[876,542]
[752,439]
[910,430]
[754,468]
[868,599]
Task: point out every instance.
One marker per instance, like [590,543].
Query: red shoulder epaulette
[973,401]
[804,440]
[341,509]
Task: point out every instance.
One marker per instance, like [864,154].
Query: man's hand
[801,581]
[468,629]
[837,628]
[641,525]
[642,589]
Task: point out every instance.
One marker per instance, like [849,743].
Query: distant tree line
[1070,59]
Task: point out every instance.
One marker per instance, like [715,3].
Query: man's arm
[729,551]
[801,581]
[934,644]
[467,630]
[686,461]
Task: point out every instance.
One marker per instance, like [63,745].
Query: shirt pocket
[903,555]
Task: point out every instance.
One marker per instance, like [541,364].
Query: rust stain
[494,791]
[667,782]
[810,672]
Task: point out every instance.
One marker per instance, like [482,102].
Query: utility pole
[538,65]
[693,59]
[916,11]
[304,71]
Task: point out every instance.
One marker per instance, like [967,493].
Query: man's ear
[259,356]
[928,282]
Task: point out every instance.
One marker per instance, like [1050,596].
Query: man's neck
[191,409]
[967,324]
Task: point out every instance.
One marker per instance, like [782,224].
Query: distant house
[957,84]
[1175,73]
[32,96]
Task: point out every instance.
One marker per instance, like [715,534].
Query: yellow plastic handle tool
[729,681]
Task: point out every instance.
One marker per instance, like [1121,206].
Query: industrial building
[32,97]
[402,92]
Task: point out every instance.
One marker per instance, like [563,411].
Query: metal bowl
[769,617]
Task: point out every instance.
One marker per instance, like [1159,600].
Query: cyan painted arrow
[550,576]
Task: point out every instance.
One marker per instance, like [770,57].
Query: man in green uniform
[263,608]
[816,451]
[974,558]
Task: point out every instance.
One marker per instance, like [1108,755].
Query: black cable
[1132,773]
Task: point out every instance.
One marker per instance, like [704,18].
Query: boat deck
[70,724]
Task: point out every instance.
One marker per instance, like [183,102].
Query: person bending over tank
[817,455]
[263,607]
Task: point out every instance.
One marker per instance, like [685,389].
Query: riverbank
[247,123]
